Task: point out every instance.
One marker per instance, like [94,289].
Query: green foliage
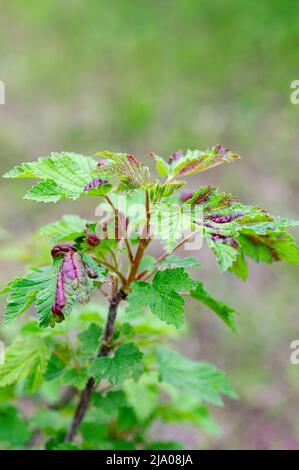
[25,360]
[170,222]
[225,312]
[13,429]
[116,369]
[63,175]
[39,287]
[162,296]
[136,381]
[159,190]
[68,228]
[173,261]
[197,378]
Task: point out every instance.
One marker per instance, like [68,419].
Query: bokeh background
[163,75]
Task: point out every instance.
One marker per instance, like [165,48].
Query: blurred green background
[143,76]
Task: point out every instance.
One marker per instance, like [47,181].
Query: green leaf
[173,280]
[55,367]
[173,261]
[145,387]
[138,298]
[47,191]
[240,267]
[69,227]
[195,378]
[44,283]
[226,255]
[13,429]
[162,296]
[225,312]
[116,369]
[90,338]
[75,378]
[25,359]
[126,169]
[170,222]
[163,168]
[63,175]
[159,190]
[39,286]
[21,296]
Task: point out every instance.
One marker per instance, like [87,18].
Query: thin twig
[124,231]
[163,256]
[103,351]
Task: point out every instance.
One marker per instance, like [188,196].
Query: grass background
[160,75]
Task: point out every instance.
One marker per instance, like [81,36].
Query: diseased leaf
[116,369]
[126,169]
[199,379]
[195,161]
[225,312]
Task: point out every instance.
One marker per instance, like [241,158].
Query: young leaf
[163,168]
[63,175]
[195,161]
[162,296]
[39,286]
[200,379]
[173,261]
[126,169]
[145,387]
[170,222]
[225,312]
[116,369]
[159,190]
[25,359]
[90,339]
[76,378]
[68,228]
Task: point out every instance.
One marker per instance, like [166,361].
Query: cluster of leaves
[154,291]
[49,363]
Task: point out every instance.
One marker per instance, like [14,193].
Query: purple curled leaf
[60,298]
[72,279]
[101,163]
[95,184]
[223,219]
[62,249]
[217,237]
